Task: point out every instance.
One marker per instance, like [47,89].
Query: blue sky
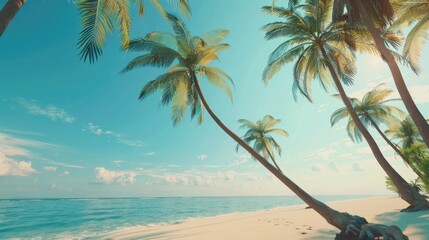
[71,129]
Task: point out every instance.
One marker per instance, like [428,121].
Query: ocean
[68,218]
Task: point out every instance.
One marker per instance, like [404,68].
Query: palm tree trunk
[333,217]
[409,103]
[406,192]
[8,12]
[409,163]
[274,161]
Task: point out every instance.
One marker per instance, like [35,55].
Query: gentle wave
[82,218]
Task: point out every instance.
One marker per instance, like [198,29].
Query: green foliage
[307,29]
[390,185]
[101,17]
[372,109]
[412,13]
[186,56]
[418,153]
[260,134]
[405,131]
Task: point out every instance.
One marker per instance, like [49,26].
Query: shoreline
[290,222]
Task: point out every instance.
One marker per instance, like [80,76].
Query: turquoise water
[87,218]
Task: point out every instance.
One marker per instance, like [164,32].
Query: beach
[295,222]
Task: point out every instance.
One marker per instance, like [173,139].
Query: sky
[74,129]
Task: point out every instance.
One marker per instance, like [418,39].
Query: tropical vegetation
[373,110]
[100,17]
[181,88]
[376,16]
[260,134]
[325,51]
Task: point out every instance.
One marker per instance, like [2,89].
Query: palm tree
[322,48]
[100,17]
[259,134]
[377,14]
[181,88]
[407,13]
[405,131]
[373,110]
[8,12]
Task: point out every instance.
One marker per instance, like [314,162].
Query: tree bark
[8,12]
[274,161]
[409,103]
[407,193]
[333,217]
[396,149]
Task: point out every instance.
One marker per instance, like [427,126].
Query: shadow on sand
[418,221]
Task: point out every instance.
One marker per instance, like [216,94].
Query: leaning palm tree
[376,15]
[181,88]
[405,131]
[324,51]
[100,17]
[259,134]
[373,110]
[8,12]
[412,13]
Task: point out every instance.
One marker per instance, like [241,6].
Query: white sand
[286,223]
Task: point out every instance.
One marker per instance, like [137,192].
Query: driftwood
[360,229]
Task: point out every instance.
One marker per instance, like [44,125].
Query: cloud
[50,169]
[115,177]
[12,147]
[54,185]
[333,166]
[203,178]
[65,173]
[240,159]
[52,112]
[324,153]
[97,130]
[202,157]
[419,93]
[10,167]
[357,167]
[118,163]
[317,167]
[66,165]
[150,153]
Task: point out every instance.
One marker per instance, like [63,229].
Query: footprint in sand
[303,233]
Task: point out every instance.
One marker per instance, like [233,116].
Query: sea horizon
[83,218]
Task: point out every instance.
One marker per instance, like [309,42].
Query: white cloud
[10,167]
[324,153]
[65,173]
[240,159]
[97,130]
[12,147]
[118,162]
[150,153]
[203,178]
[54,185]
[202,157]
[333,166]
[317,167]
[66,165]
[420,93]
[50,169]
[50,111]
[118,177]
[357,166]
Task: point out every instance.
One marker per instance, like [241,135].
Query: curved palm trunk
[396,149]
[8,12]
[409,103]
[407,193]
[335,218]
[274,161]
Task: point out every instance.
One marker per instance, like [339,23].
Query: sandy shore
[286,223]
